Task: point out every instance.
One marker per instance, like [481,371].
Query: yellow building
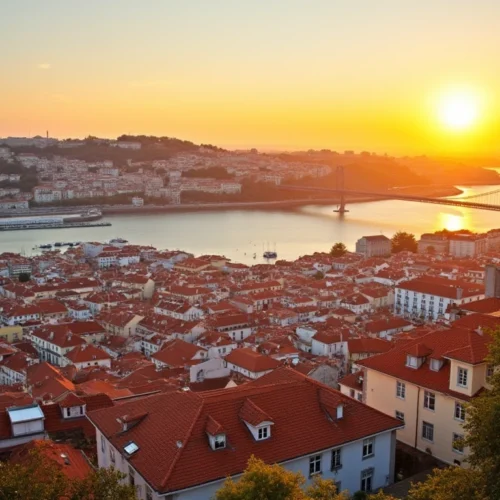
[425,383]
[11,334]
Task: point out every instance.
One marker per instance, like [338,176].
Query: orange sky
[276,75]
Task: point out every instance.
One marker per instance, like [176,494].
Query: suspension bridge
[483,201]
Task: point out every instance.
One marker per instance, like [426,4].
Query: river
[238,234]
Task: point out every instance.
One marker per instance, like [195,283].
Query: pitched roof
[251,360]
[453,343]
[173,436]
[69,461]
[177,352]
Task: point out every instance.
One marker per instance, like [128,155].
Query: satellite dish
[179,444]
[295,361]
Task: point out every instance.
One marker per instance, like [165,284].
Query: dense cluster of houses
[63,178]
[180,367]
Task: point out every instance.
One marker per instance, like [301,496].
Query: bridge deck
[394,196]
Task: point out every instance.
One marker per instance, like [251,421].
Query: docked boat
[58,244]
[48,246]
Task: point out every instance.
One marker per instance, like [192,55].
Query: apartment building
[426,384]
[373,246]
[428,298]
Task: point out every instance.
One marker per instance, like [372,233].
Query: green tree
[32,480]
[338,250]
[103,484]
[403,241]
[319,275]
[482,426]
[37,478]
[262,482]
[24,277]
[449,484]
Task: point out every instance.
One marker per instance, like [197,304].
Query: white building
[183,445]
[428,298]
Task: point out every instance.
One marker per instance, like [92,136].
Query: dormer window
[436,365]
[412,361]
[219,442]
[263,433]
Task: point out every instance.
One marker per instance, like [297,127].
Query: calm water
[239,234]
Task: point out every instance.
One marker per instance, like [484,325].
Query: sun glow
[459,110]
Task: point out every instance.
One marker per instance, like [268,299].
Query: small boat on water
[58,244]
[270,255]
[120,241]
[48,246]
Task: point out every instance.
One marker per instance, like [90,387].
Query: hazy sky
[340,74]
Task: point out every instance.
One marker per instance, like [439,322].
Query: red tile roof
[251,360]
[368,345]
[453,343]
[173,436]
[69,461]
[178,352]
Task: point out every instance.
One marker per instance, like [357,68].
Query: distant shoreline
[430,191]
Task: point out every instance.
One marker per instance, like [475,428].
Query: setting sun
[459,110]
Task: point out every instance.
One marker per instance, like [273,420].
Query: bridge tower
[341,189]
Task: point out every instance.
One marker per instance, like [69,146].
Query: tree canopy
[39,478]
[261,482]
[403,241]
[338,250]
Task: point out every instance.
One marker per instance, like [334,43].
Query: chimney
[460,292]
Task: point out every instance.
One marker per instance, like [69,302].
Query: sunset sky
[274,74]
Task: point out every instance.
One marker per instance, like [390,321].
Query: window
[219,442]
[459,411]
[411,361]
[263,433]
[336,459]
[489,371]
[429,400]
[352,393]
[131,476]
[435,365]
[338,485]
[462,377]
[360,396]
[457,443]
[103,444]
[112,455]
[428,431]
[366,480]
[400,390]
[400,416]
[315,465]
[368,447]
[149,493]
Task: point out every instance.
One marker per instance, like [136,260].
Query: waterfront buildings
[374,246]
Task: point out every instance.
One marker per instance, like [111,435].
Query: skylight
[25,414]
[130,448]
